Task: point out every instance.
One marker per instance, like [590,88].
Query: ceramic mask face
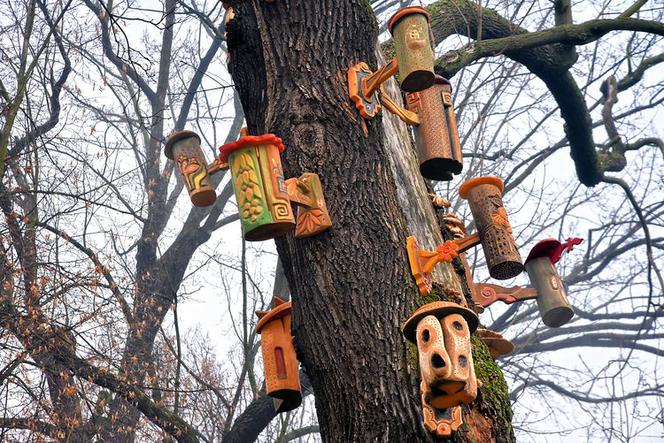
[446,364]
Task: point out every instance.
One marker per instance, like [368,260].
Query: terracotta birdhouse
[552,300]
[442,331]
[484,195]
[263,196]
[411,34]
[436,135]
[184,147]
[282,378]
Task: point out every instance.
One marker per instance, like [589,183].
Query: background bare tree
[102,255]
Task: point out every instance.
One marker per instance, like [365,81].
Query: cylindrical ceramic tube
[282,375]
[436,136]
[184,147]
[411,34]
[484,195]
[552,300]
[260,189]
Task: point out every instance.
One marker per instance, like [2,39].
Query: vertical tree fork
[351,286]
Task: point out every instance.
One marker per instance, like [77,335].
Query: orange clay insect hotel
[282,378]
[436,133]
[485,197]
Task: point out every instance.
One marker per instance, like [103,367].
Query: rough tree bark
[351,286]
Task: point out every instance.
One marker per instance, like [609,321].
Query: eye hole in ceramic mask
[463,361]
[426,336]
[457,325]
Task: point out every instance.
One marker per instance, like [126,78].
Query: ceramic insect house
[485,198]
[282,377]
[436,132]
[184,147]
[441,330]
[263,196]
[494,232]
[554,306]
[411,34]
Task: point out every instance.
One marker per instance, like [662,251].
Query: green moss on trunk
[494,393]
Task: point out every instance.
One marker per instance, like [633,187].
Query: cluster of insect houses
[442,329]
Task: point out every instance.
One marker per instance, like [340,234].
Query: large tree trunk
[351,286]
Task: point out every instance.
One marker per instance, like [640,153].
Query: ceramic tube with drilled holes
[436,136]
[484,195]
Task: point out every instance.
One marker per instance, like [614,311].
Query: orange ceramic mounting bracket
[371,83]
[486,294]
[312,215]
[216,166]
[467,242]
[408,117]
[363,86]
[422,262]
[418,259]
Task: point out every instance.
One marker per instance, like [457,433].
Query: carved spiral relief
[488,292]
